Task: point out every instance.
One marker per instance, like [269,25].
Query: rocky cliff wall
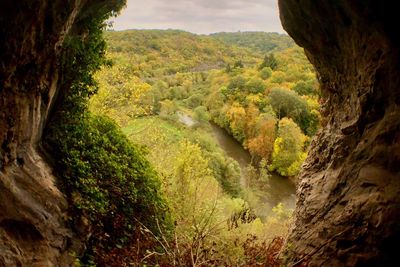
[33,230]
[348,198]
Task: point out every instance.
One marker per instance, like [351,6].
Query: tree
[251,119]
[237,83]
[237,122]
[287,103]
[194,100]
[119,96]
[194,192]
[262,144]
[255,86]
[265,73]
[269,61]
[288,153]
[279,77]
[201,114]
[168,108]
[305,88]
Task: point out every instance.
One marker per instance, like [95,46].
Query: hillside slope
[263,42]
[172,51]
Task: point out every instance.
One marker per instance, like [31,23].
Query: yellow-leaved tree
[288,154]
[119,94]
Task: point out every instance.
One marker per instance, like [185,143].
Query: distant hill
[171,51]
[164,52]
[263,42]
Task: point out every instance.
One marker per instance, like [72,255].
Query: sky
[201,16]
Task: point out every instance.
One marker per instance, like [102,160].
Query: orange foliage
[263,144]
[252,114]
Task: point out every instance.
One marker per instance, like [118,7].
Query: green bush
[201,114]
[106,177]
[305,88]
[255,86]
[265,73]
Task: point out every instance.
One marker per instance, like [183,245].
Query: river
[261,195]
[264,194]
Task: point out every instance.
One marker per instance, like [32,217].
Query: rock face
[33,231]
[348,198]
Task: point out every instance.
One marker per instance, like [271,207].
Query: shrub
[265,73]
[106,179]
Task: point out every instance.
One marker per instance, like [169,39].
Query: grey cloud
[201,16]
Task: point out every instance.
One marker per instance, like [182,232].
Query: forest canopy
[165,89]
[225,78]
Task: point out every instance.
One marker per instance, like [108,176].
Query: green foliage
[168,108]
[107,179]
[104,174]
[287,103]
[238,64]
[305,88]
[201,114]
[260,41]
[157,133]
[191,167]
[194,100]
[249,107]
[236,84]
[269,61]
[265,73]
[193,188]
[281,213]
[255,86]
[120,95]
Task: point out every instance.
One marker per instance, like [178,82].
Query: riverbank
[201,184]
[262,193]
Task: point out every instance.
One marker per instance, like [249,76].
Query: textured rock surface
[32,210]
[348,206]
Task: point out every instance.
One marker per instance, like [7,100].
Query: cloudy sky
[200,16]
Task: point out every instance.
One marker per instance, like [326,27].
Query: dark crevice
[21,230]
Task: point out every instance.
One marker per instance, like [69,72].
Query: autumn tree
[265,73]
[262,144]
[237,115]
[251,119]
[305,88]
[288,153]
[119,94]
[168,108]
[269,61]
